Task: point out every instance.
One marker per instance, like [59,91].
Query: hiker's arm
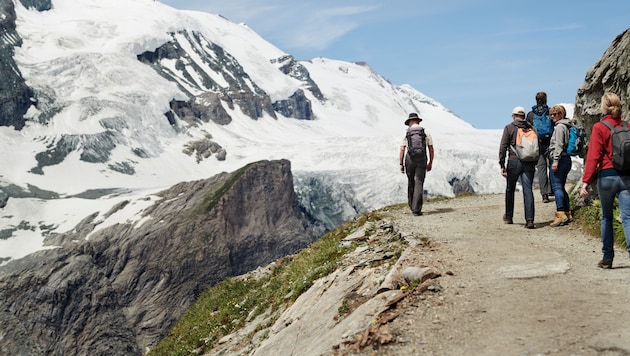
[430,164]
[401,156]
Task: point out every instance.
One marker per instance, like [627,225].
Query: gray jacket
[559,139]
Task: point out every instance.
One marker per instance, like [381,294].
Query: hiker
[417,166]
[516,168]
[539,118]
[610,182]
[560,164]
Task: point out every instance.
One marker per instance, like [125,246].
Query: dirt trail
[507,290]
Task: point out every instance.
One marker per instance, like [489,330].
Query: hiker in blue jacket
[516,169]
[539,118]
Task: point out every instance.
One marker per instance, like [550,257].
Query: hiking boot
[545,198]
[507,220]
[561,219]
[569,216]
[606,264]
[529,225]
[418,213]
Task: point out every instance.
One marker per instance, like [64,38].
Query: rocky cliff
[611,73]
[15,95]
[118,292]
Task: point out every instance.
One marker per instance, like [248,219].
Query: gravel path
[507,290]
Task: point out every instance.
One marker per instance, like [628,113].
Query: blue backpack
[577,136]
[542,122]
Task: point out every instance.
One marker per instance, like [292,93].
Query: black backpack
[620,146]
[417,144]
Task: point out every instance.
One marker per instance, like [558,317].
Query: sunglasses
[554,113]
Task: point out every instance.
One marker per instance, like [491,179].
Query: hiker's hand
[554,167]
[583,190]
[402,168]
[429,166]
[504,172]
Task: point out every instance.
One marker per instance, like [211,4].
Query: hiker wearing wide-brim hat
[414,161]
[412,116]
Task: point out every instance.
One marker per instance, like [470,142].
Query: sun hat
[518,111]
[412,116]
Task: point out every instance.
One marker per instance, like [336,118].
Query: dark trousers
[542,172]
[525,172]
[416,171]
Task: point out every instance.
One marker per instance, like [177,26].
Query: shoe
[419,213]
[530,225]
[507,220]
[606,264]
[569,216]
[561,219]
[545,198]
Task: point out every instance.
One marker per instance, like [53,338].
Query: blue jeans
[558,181]
[525,171]
[609,187]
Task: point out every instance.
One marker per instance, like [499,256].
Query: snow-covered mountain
[133,96]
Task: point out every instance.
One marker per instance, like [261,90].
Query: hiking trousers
[416,172]
[610,185]
[542,171]
[525,172]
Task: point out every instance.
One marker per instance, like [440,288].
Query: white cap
[518,111]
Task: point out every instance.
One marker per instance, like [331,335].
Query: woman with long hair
[611,183]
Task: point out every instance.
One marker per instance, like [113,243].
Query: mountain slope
[127,102]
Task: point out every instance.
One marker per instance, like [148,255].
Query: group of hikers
[537,144]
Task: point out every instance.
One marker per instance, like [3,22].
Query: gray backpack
[620,146]
[417,144]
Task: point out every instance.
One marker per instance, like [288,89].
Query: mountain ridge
[120,288]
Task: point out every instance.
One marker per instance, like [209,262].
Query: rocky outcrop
[297,106]
[15,95]
[611,73]
[39,5]
[289,66]
[207,97]
[193,79]
[120,291]
[462,185]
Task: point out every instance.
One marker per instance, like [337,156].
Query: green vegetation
[226,307]
[589,217]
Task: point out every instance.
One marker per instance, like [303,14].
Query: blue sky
[478,58]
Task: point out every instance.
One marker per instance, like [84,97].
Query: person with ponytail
[610,182]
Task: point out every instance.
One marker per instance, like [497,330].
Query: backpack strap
[608,124]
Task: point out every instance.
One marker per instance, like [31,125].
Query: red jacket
[599,156]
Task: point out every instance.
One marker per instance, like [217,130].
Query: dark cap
[412,116]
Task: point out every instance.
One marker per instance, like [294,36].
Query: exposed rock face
[241,90]
[461,185]
[611,73]
[297,106]
[120,291]
[288,65]
[39,5]
[15,95]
